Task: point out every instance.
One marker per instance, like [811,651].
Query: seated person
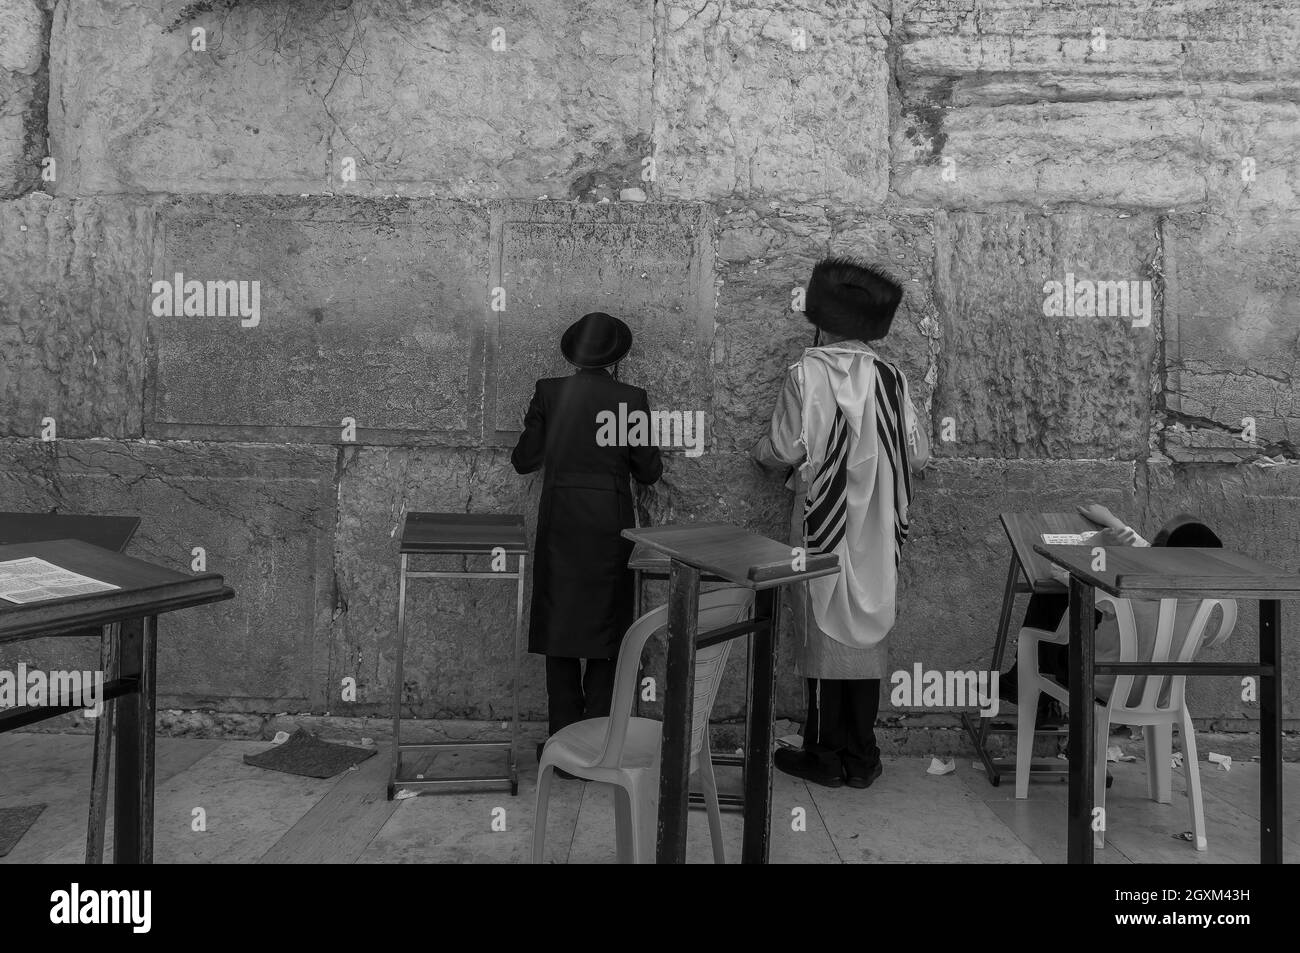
[1049,612]
[1182,530]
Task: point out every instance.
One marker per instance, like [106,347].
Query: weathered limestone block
[1017,383]
[1231,350]
[72,315]
[767,254]
[1131,103]
[264,517]
[1256,511]
[369,309]
[902,242]
[477,101]
[955,562]
[297,95]
[23,91]
[458,647]
[135,109]
[650,265]
[739,109]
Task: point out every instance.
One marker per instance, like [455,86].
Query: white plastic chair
[1161,705]
[624,751]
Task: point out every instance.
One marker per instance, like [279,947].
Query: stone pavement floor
[251,815]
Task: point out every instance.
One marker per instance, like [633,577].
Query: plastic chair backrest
[717,608]
[1170,687]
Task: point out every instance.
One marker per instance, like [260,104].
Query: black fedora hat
[851,299]
[596,340]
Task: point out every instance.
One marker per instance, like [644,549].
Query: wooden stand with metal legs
[128,619]
[1159,573]
[459,534]
[743,559]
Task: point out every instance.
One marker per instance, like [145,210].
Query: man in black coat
[583,595]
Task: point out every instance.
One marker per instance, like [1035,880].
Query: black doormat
[14,823]
[307,756]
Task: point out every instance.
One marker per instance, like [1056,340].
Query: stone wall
[428,192]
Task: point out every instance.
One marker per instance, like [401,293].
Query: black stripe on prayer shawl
[826,508]
[890,424]
[894,393]
[826,512]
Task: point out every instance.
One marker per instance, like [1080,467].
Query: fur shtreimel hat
[851,299]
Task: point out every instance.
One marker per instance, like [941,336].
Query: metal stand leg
[1270,733]
[979,734]
[514,681]
[399,681]
[1083,743]
[758,744]
[102,765]
[979,737]
[133,807]
[675,766]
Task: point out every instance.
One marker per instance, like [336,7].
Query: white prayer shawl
[857,425]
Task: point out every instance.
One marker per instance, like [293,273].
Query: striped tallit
[826,506]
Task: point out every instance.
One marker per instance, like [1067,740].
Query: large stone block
[1256,511]
[135,109]
[1017,383]
[1131,103]
[650,265]
[72,315]
[1231,350]
[496,101]
[459,632]
[369,309]
[24,28]
[767,254]
[264,517]
[455,100]
[740,109]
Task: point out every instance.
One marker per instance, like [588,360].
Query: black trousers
[841,721]
[572,694]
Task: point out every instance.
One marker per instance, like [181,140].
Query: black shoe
[859,780]
[807,766]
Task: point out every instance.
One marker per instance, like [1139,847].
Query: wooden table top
[1162,572]
[653,562]
[1025,530]
[733,554]
[110,532]
[145,589]
[463,533]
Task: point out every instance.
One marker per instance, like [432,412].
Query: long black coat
[582,589]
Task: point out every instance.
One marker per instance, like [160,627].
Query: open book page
[34,580]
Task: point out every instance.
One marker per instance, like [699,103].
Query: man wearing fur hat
[845,421]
